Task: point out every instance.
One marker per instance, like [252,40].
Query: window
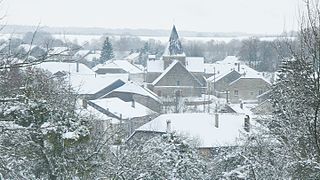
[178,83]
[236,92]
[260,91]
[251,93]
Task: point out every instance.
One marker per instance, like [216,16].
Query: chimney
[77,66]
[168,130]
[133,103]
[84,103]
[238,67]
[216,120]
[241,104]
[247,123]
[120,116]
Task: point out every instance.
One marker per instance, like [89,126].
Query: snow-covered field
[81,39]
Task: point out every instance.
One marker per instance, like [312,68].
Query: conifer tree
[107,51]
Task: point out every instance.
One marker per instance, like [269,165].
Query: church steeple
[174,50]
[174,46]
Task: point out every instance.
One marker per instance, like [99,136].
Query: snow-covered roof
[229,64]
[252,76]
[246,108]
[224,67]
[208,68]
[140,66]
[59,50]
[26,47]
[90,84]
[82,52]
[124,77]
[90,111]
[131,87]
[201,126]
[91,57]
[71,68]
[119,64]
[132,56]
[220,76]
[121,108]
[195,64]
[168,69]
[155,65]
[151,56]
[88,55]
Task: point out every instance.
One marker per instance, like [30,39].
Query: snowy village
[122,104]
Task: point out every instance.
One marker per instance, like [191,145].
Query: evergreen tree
[107,51]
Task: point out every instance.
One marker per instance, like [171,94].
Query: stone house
[218,85]
[247,89]
[177,79]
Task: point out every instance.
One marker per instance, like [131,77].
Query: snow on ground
[82,39]
[201,126]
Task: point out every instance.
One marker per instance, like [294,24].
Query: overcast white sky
[251,16]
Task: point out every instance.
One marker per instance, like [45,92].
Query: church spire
[174,46]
